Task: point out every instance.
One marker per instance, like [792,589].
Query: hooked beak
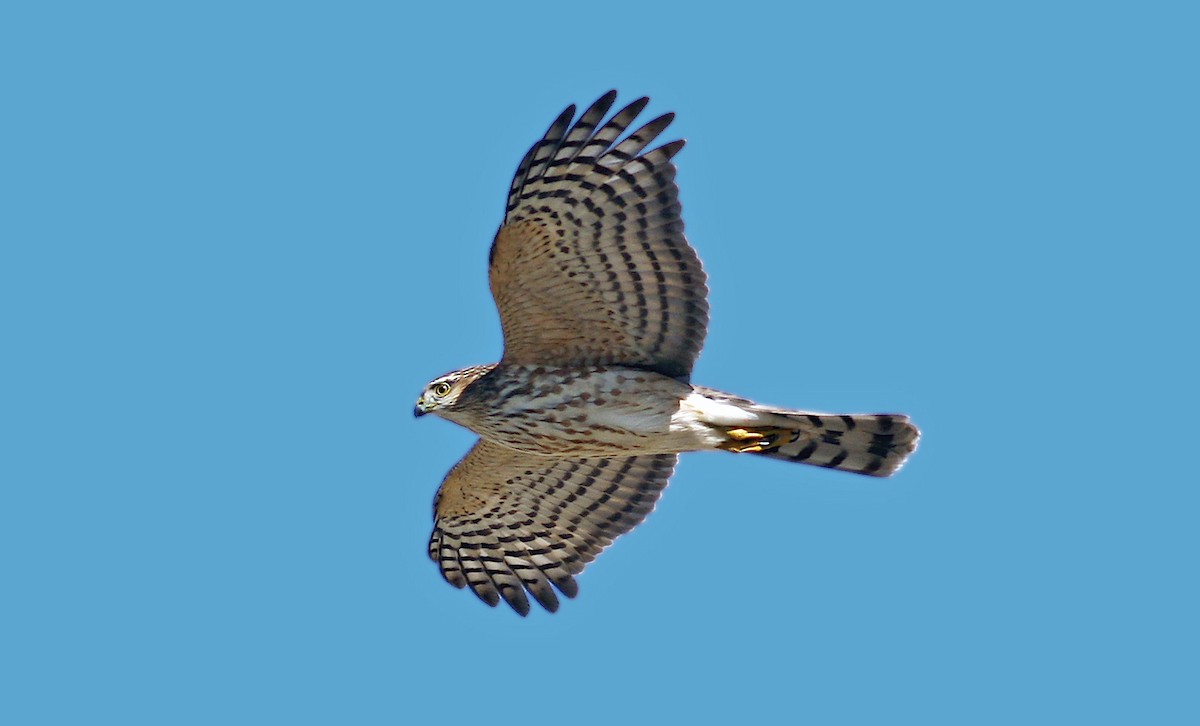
[419,410]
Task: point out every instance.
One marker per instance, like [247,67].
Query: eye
[441,389]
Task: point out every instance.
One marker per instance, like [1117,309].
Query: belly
[588,412]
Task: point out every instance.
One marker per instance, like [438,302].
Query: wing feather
[509,524]
[591,266]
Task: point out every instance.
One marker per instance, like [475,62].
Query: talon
[742,434]
[742,448]
[746,441]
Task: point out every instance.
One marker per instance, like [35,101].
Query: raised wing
[507,523]
[591,266]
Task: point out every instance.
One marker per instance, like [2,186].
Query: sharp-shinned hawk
[602,304]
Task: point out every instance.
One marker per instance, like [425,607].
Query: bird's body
[603,306]
[608,411]
[578,411]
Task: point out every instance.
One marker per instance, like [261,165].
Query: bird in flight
[603,306]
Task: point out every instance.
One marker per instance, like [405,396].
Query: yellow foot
[742,434]
[746,449]
[748,441]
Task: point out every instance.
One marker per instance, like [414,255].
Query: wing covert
[591,266]
[508,523]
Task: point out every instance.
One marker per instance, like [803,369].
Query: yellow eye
[441,389]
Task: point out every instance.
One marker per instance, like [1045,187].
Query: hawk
[603,306]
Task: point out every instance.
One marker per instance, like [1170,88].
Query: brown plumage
[603,306]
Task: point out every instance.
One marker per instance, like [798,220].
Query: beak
[419,409]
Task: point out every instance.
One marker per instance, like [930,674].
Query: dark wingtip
[674,147]
[635,106]
[564,117]
[567,586]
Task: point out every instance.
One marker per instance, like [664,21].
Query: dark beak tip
[417,412]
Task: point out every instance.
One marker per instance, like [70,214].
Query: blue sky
[237,240]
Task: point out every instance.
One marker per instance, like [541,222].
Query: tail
[872,444]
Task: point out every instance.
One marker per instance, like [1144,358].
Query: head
[442,393]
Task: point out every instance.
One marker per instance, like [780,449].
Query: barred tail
[873,444]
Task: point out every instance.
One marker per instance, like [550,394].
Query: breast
[599,411]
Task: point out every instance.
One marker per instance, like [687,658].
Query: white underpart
[698,415]
[644,421]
